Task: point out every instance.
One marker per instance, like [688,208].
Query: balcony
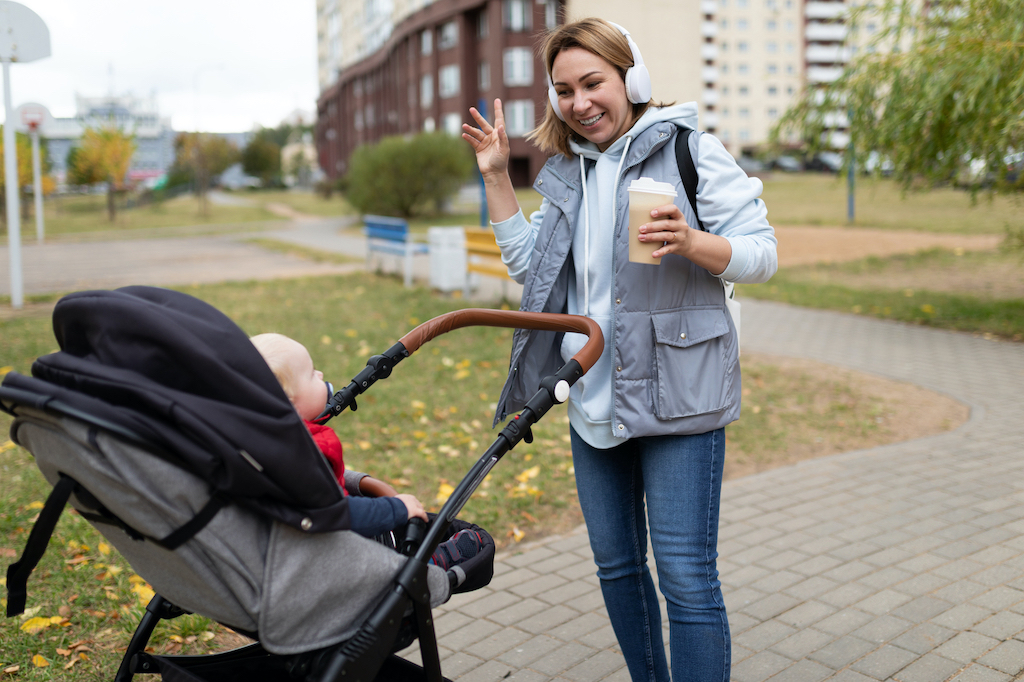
[825,10]
[708,51]
[710,97]
[710,119]
[827,54]
[709,74]
[823,74]
[708,7]
[708,29]
[825,33]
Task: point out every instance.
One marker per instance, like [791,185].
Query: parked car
[829,162]
[787,164]
[750,165]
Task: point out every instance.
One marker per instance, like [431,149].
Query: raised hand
[489,142]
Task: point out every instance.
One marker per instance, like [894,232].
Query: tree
[261,158]
[104,155]
[938,93]
[201,157]
[403,177]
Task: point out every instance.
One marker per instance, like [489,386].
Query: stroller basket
[155,462]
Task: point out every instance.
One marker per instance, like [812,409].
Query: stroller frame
[369,654]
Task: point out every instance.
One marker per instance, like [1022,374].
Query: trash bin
[447,258]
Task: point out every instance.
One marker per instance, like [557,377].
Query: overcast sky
[225,64]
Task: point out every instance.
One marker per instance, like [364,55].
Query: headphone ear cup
[553,99]
[638,84]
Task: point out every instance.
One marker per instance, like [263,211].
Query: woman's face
[591,96]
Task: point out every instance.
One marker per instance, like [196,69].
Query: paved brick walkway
[904,562]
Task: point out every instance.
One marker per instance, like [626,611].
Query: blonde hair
[274,349]
[598,37]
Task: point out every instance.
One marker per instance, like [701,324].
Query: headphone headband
[637,78]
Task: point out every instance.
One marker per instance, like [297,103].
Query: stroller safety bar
[380,366]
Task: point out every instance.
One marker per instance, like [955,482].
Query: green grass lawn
[302,201]
[75,215]
[981,292]
[820,199]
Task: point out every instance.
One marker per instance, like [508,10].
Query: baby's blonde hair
[274,349]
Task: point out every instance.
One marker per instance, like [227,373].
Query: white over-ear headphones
[638,79]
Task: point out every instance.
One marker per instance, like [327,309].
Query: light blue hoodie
[730,209]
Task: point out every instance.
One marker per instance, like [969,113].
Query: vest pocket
[689,373]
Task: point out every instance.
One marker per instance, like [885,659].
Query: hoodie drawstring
[586,221]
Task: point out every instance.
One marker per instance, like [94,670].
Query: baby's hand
[413,506]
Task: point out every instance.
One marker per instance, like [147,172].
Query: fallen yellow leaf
[418,405]
[104,548]
[39,662]
[444,491]
[33,625]
[34,505]
[517,534]
[527,474]
[144,591]
[326,340]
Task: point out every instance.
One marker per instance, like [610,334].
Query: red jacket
[330,445]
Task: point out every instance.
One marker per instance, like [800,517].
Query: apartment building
[390,67]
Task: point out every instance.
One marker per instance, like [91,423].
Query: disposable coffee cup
[645,195]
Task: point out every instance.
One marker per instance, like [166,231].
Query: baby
[305,387]
[370,516]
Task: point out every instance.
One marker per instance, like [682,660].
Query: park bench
[391,236]
[483,256]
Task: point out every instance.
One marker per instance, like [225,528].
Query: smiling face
[591,96]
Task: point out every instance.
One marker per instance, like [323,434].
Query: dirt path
[807,245]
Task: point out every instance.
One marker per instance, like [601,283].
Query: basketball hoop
[32,118]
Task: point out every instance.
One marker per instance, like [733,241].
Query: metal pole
[850,173]
[11,190]
[37,184]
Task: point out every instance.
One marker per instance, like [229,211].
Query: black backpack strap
[38,539]
[688,171]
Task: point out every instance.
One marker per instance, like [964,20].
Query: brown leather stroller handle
[515,319]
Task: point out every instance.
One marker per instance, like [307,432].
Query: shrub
[406,177]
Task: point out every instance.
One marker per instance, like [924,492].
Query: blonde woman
[647,422]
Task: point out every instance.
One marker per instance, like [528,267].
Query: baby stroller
[164,427]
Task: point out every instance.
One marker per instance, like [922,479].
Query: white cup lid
[653,186]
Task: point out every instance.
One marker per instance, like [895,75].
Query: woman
[647,422]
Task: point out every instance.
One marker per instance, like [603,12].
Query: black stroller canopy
[178,372]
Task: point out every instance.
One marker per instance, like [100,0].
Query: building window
[551,14]
[742,46]
[724,136]
[788,25]
[772,91]
[744,112]
[453,124]
[789,47]
[426,90]
[723,23]
[742,68]
[481,24]
[743,91]
[725,112]
[519,117]
[448,81]
[428,124]
[484,77]
[518,66]
[724,47]
[412,95]
[771,46]
[741,24]
[370,118]
[449,36]
[771,25]
[790,69]
[724,68]
[744,135]
[359,120]
[773,113]
[517,15]
[426,41]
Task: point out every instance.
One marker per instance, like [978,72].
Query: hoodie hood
[683,115]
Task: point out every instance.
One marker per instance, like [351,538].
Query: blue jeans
[681,478]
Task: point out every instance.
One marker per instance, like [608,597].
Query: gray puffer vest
[675,350]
